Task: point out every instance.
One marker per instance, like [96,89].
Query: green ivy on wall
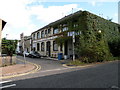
[99,37]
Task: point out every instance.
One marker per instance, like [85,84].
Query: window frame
[38,33]
[42,46]
[54,48]
[38,46]
[42,34]
[55,31]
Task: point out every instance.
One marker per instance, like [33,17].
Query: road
[100,76]
[44,63]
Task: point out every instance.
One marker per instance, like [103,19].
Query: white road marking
[5,81]
[8,86]
[54,69]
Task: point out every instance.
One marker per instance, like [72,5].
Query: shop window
[55,46]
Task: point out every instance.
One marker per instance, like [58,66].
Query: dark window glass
[119,29]
[45,31]
[61,47]
[49,31]
[38,46]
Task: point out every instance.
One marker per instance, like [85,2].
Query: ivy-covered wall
[95,42]
[99,39]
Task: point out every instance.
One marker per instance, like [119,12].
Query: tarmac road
[44,63]
[101,76]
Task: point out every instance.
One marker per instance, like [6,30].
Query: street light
[99,31]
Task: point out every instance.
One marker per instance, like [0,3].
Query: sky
[27,16]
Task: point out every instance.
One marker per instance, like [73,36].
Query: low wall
[5,60]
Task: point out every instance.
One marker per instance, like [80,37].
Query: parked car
[19,53]
[34,54]
[26,54]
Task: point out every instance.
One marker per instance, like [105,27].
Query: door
[66,48]
[48,48]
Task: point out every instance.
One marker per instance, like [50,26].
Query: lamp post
[22,37]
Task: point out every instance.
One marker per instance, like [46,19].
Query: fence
[5,60]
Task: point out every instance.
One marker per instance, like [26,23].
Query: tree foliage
[9,46]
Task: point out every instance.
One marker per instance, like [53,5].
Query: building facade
[27,44]
[57,37]
[2,24]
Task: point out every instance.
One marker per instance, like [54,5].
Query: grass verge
[75,63]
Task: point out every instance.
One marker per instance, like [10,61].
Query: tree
[9,47]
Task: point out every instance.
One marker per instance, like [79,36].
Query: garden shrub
[115,48]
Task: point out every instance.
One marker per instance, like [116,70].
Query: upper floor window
[49,31]
[42,33]
[75,25]
[55,31]
[34,36]
[65,28]
[38,35]
[46,32]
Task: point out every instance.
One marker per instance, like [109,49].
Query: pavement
[18,69]
[22,68]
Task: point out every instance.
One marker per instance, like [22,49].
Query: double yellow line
[38,67]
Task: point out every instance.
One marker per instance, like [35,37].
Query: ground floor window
[55,46]
[34,48]
[27,49]
[38,47]
[42,46]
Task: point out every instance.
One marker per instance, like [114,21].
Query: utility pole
[73,46]
[23,48]
[72,10]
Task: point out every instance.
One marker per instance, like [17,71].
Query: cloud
[17,14]
[53,13]
[93,3]
[75,1]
